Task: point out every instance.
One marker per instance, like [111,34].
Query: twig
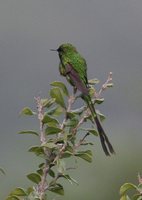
[40,117]
[71,100]
[81,141]
[81,121]
[59,154]
[104,86]
[41,187]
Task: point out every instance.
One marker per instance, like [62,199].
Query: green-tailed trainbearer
[73,66]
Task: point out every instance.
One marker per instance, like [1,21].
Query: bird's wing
[75,77]
[62,69]
[80,66]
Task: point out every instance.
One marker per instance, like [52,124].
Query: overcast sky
[108,33]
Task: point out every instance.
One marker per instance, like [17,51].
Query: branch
[40,117]
[86,113]
[71,101]
[41,187]
[107,84]
[81,141]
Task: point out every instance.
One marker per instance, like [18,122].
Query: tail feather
[106,145]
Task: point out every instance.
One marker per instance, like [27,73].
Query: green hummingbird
[73,66]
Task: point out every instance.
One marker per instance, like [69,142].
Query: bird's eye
[59,49]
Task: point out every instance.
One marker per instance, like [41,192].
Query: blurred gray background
[109,35]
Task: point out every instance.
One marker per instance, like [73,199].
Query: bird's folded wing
[74,76]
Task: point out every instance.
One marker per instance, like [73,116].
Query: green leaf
[51,173]
[102,117]
[127,186]
[124,197]
[56,93]
[29,132]
[27,111]
[99,101]
[18,192]
[67,154]
[91,92]
[61,166]
[12,198]
[110,85]
[55,111]
[72,122]
[2,171]
[87,143]
[41,165]
[34,177]
[140,197]
[71,138]
[71,180]
[85,155]
[93,81]
[69,149]
[137,197]
[58,189]
[40,172]
[50,145]
[30,190]
[52,130]
[47,102]
[50,121]
[93,131]
[38,150]
[62,86]
[44,102]
[71,115]
[78,111]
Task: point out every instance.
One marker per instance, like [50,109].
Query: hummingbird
[73,66]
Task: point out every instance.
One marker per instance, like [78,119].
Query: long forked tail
[106,145]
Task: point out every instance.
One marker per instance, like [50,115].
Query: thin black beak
[53,49]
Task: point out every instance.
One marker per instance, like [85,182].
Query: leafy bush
[59,139]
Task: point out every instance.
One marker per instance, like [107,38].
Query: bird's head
[65,49]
